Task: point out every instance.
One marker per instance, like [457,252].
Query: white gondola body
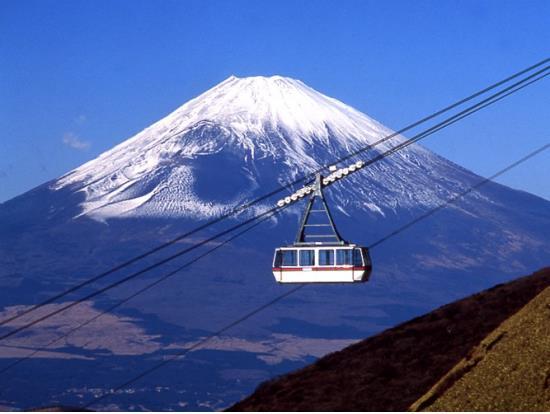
[346,263]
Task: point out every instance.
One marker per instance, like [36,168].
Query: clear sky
[78,77]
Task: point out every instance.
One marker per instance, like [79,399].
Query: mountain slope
[389,371]
[508,371]
[228,137]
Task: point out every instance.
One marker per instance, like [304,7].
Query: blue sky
[78,77]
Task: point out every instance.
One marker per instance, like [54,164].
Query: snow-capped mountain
[235,142]
[169,169]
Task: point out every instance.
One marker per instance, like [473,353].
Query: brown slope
[508,371]
[390,371]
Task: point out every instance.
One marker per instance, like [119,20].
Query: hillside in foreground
[508,371]
[392,370]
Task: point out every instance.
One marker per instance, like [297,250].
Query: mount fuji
[235,142]
[230,137]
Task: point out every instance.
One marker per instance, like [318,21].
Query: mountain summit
[262,106]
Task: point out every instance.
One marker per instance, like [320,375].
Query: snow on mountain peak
[260,105]
[241,123]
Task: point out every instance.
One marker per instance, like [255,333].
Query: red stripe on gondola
[317,269]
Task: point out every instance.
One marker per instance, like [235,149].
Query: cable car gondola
[318,255]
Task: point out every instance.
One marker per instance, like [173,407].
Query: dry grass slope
[390,371]
[508,371]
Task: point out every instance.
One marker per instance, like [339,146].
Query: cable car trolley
[319,254]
